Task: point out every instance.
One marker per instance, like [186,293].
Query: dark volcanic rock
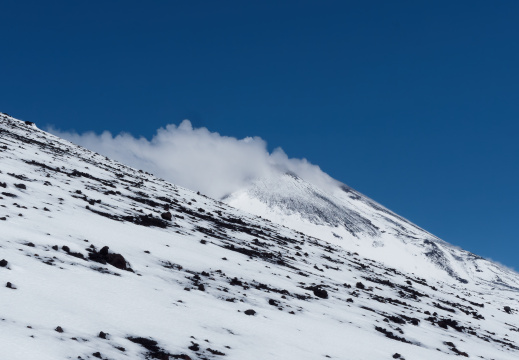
[319,292]
[105,257]
[166,216]
[360,285]
[215,352]
[154,351]
[146,220]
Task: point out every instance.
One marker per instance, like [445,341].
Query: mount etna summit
[99,260]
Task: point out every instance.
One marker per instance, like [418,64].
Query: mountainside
[343,216]
[102,261]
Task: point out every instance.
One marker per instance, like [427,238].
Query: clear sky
[413,103]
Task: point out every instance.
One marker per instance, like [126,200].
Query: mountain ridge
[100,260]
[345,217]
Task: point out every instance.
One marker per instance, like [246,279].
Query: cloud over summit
[197,158]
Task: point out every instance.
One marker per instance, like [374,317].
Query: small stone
[166,216]
[250,312]
[59,329]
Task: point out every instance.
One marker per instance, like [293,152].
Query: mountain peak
[100,260]
[342,216]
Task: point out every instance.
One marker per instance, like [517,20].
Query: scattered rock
[3,263]
[105,257]
[215,352]
[146,220]
[21,186]
[154,351]
[194,347]
[454,349]
[59,329]
[166,216]
[390,335]
[250,312]
[102,335]
[10,286]
[72,253]
[319,292]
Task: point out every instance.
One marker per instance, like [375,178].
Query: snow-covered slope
[343,216]
[102,261]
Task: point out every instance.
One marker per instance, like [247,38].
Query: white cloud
[198,159]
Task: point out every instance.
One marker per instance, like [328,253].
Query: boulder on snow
[103,256]
[166,216]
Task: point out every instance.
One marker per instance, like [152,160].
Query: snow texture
[102,261]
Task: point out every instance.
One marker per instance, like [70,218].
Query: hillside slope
[102,261]
[345,217]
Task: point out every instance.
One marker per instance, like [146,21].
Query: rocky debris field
[102,261]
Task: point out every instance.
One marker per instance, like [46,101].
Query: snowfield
[102,261]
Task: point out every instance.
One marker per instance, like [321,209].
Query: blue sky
[415,104]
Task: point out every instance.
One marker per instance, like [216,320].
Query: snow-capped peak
[102,261]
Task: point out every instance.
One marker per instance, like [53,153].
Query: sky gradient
[414,104]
